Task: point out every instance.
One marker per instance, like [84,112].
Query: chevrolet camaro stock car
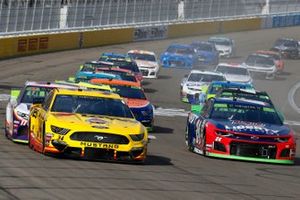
[146,61]
[17,109]
[191,85]
[240,129]
[225,46]
[87,124]
[179,56]
[234,72]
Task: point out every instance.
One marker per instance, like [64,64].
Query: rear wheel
[203,144]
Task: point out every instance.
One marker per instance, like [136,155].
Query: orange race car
[135,97]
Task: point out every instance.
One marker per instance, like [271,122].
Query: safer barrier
[33,44]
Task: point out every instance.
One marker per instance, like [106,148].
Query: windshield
[146,57]
[180,50]
[91,105]
[129,92]
[232,70]
[203,47]
[220,42]
[260,60]
[123,64]
[245,112]
[32,92]
[215,88]
[290,43]
[197,77]
[252,96]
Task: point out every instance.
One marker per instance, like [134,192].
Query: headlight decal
[59,130]
[137,137]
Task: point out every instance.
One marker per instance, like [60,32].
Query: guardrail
[31,16]
[56,28]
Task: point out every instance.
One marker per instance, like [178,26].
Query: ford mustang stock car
[87,124]
[180,56]
[240,129]
[146,61]
[135,99]
[191,86]
[17,109]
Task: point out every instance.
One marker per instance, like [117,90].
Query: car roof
[195,71]
[241,101]
[81,92]
[115,82]
[142,52]
[234,65]
[47,84]
[230,83]
[219,38]
[116,69]
[268,52]
[202,42]
[261,55]
[176,45]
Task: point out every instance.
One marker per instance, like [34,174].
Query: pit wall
[42,43]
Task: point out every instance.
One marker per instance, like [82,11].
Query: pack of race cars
[229,118]
[103,113]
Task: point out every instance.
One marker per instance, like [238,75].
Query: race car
[85,76]
[146,61]
[225,46]
[122,61]
[234,72]
[125,74]
[210,91]
[276,56]
[287,47]
[240,129]
[87,124]
[261,65]
[207,53]
[17,109]
[179,56]
[134,97]
[191,86]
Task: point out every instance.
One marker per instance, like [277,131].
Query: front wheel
[190,144]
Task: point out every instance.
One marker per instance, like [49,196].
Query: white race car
[146,61]
[224,45]
[17,109]
[234,72]
[190,86]
[260,64]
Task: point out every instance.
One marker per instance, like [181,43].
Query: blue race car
[240,129]
[207,53]
[179,55]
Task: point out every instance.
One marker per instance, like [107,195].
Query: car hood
[196,85]
[237,78]
[259,129]
[146,64]
[175,56]
[223,47]
[82,122]
[205,53]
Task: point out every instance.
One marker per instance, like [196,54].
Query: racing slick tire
[189,144]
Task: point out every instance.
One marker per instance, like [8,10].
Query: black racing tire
[204,144]
[190,145]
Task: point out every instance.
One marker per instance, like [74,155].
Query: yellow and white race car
[87,124]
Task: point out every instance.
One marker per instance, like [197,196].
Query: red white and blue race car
[17,109]
[240,129]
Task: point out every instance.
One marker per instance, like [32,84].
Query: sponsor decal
[96,121]
[150,33]
[251,127]
[99,145]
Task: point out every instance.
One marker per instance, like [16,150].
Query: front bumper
[97,151]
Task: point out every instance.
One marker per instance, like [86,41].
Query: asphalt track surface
[171,171]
